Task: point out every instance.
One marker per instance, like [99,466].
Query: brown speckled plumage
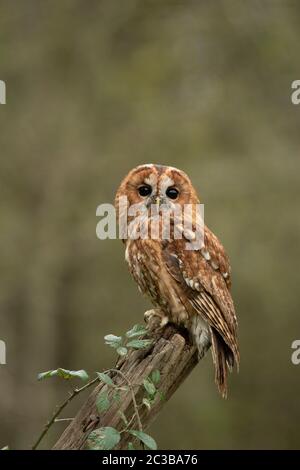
[188,287]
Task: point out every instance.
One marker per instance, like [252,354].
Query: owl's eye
[172,192]
[145,190]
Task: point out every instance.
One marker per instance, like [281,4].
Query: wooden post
[172,354]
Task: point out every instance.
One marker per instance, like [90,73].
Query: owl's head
[152,190]
[152,184]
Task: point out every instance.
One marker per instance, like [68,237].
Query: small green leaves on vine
[133,339]
[137,330]
[150,388]
[102,402]
[107,438]
[103,439]
[105,378]
[113,341]
[64,373]
[122,351]
[155,376]
[145,439]
[117,396]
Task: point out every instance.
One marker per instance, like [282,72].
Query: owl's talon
[147,315]
[155,319]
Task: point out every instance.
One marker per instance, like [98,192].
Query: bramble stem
[59,409]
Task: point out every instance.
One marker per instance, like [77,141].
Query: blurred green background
[94,89]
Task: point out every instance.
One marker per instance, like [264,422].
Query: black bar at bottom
[135,459]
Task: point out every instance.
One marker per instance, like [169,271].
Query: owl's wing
[204,276]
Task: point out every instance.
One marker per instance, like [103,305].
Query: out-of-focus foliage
[95,88]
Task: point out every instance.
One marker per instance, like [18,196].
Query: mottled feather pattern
[188,287]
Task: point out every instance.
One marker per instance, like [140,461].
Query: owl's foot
[156,319]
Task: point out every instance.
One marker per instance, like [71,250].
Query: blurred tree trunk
[173,355]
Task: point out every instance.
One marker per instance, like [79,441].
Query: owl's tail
[223,359]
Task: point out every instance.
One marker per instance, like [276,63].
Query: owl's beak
[157,201]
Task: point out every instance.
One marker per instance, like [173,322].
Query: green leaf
[105,378]
[149,387]
[102,402]
[103,439]
[147,403]
[64,373]
[122,351]
[139,343]
[82,374]
[145,438]
[130,446]
[113,341]
[155,376]
[117,396]
[137,330]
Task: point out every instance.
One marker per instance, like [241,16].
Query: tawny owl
[188,287]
